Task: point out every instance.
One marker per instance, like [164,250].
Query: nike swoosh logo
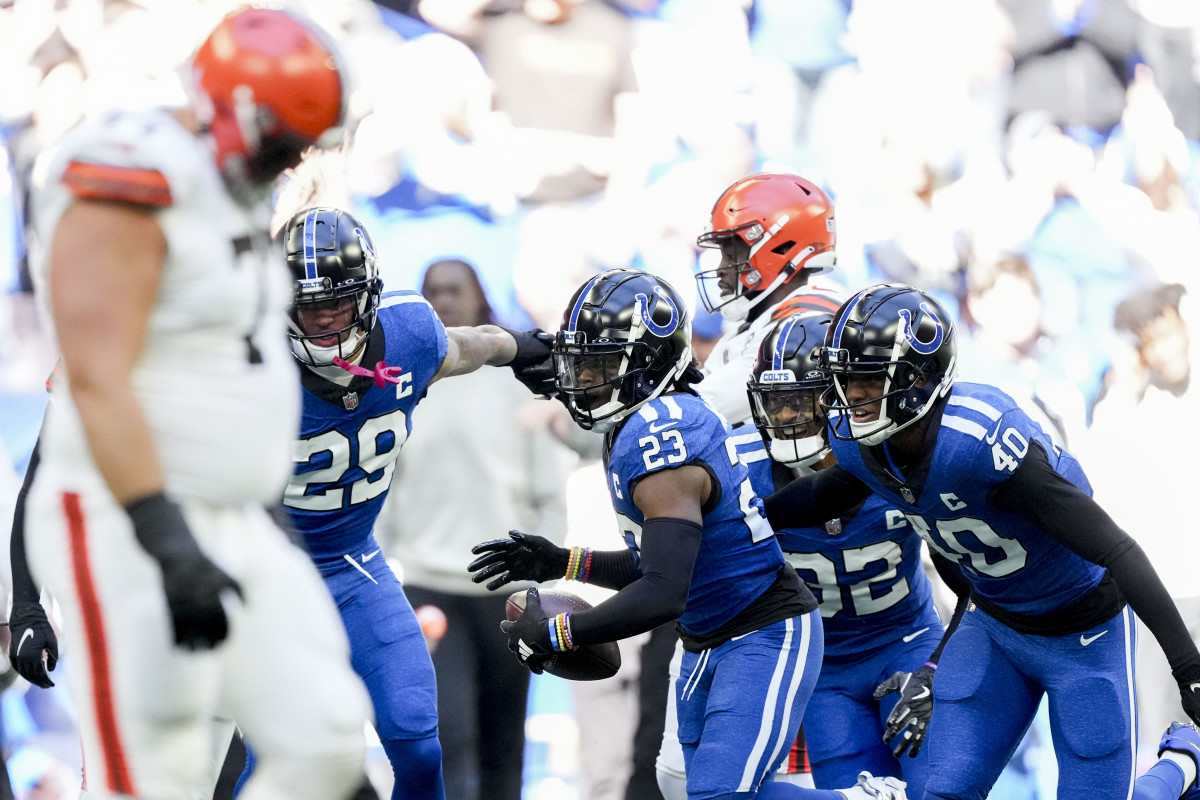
[26,636]
[368,556]
[1086,640]
[991,437]
[912,636]
[1195,687]
[924,693]
[663,426]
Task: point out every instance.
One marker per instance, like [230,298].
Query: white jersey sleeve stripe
[975,404]
[961,425]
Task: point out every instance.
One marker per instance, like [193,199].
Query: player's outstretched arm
[469,348]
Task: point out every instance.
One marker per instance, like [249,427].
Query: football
[590,662]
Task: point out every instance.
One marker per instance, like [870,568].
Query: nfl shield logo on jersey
[907,494]
[350,400]
[833,527]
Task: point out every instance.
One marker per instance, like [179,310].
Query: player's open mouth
[861,415]
[327,341]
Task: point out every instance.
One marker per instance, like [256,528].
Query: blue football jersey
[739,556]
[864,568]
[350,436]
[983,437]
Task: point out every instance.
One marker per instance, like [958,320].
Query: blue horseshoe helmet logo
[939,334]
[644,310]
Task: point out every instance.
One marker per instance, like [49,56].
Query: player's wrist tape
[560,632]
[579,564]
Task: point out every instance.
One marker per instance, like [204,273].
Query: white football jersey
[216,379]
[731,361]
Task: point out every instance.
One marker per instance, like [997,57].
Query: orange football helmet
[274,85]
[769,227]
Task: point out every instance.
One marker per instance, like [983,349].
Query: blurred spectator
[1073,59]
[1007,346]
[564,84]
[1139,430]
[1050,210]
[513,479]
[1168,43]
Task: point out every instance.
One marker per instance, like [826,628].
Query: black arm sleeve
[613,569]
[1075,520]
[951,574]
[669,548]
[25,589]
[815,499]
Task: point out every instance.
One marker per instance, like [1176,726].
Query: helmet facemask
[605,382]
[736,286]
[358,306]
[792,421]
[904,397]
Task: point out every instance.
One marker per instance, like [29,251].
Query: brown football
[590,662]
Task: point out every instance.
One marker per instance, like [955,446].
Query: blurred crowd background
[1032,162]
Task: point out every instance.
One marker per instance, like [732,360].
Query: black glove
[529,634]
[519,558]
[33,650]
[912,711]
[533,365]
[1189,691]
[192,583]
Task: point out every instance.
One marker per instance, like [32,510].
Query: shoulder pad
[143,157]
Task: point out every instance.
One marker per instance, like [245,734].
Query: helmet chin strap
[798,453]
[738,309]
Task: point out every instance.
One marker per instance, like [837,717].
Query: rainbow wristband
[564,627]
[560,633]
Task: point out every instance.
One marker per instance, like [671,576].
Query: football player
[864,567]
[1053,582]
[171,427]
[368,359]
[699,550]
[776,236]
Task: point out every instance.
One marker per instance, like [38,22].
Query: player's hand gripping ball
[589,662]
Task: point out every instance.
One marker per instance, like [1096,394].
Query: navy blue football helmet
[904,341]
[332,263]
[625,339]
[785,389]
